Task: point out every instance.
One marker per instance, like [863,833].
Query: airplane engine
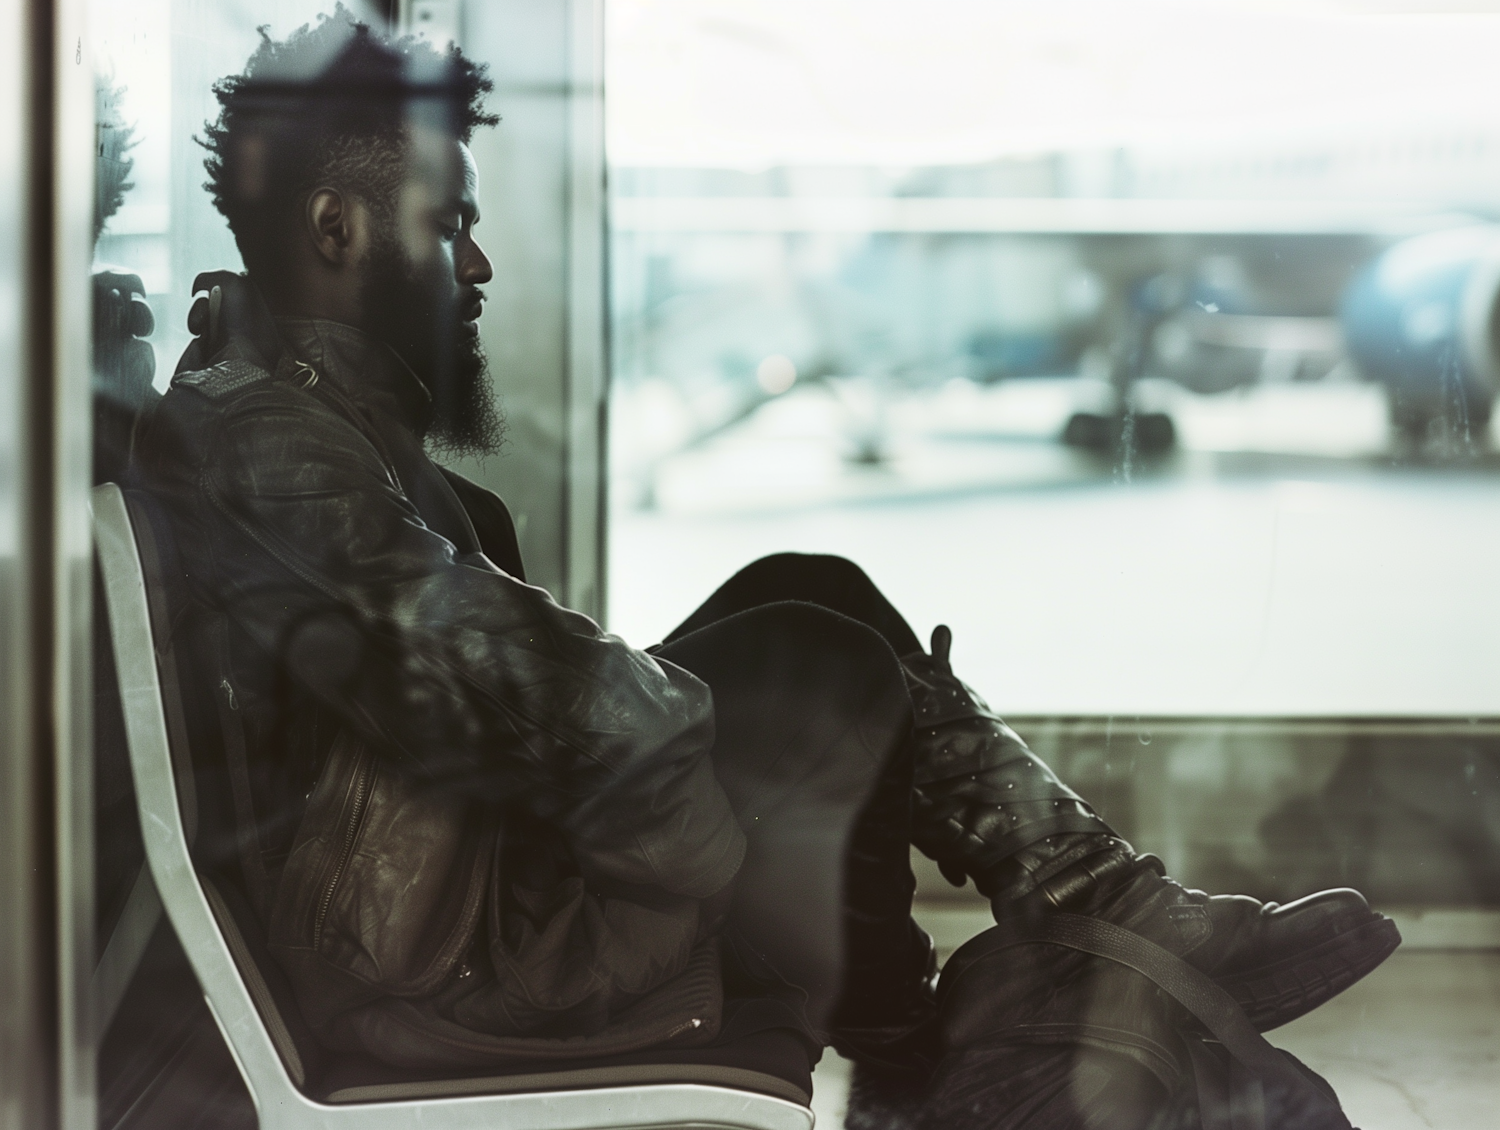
[1424,320]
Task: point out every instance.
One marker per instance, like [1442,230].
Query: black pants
[812,722]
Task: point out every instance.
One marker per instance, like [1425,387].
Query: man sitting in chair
[487,833]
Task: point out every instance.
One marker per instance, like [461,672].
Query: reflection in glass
[124,363]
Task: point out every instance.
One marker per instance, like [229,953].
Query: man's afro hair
[330,104]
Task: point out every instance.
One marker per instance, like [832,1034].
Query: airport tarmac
[1282,563]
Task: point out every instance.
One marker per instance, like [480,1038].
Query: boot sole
[1273,995]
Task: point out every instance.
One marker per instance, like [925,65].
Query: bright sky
[753,83]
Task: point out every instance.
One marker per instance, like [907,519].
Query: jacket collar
[365,370]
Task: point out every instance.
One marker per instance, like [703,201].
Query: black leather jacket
[374,600]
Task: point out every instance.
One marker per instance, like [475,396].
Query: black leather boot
[985,807]
[1278,962]
[980,797]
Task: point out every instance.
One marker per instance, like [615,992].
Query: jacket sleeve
[466,674]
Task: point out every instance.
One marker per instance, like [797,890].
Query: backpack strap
[1241,1105]
[1215,1009]
[232,729]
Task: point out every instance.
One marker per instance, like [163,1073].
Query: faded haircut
[331,105]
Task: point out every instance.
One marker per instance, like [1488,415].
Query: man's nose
[474,265]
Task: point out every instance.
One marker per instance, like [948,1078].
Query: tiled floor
[1414,1045]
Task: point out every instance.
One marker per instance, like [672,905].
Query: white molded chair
[627,1096]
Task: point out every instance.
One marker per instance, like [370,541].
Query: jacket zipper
[351,831]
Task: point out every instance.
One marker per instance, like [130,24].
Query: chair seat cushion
[772,1061]
[769,1060]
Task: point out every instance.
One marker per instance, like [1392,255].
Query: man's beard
[402,312]
[466,421]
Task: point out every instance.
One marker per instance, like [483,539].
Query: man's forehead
[470,181]
[445,165]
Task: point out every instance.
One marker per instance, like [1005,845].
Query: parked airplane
[1424,320]
[1211,309]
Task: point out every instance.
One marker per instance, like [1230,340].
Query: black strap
[232,727]
[1253,1060]
[1211,1005]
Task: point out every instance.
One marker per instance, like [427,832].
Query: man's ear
[331,224]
